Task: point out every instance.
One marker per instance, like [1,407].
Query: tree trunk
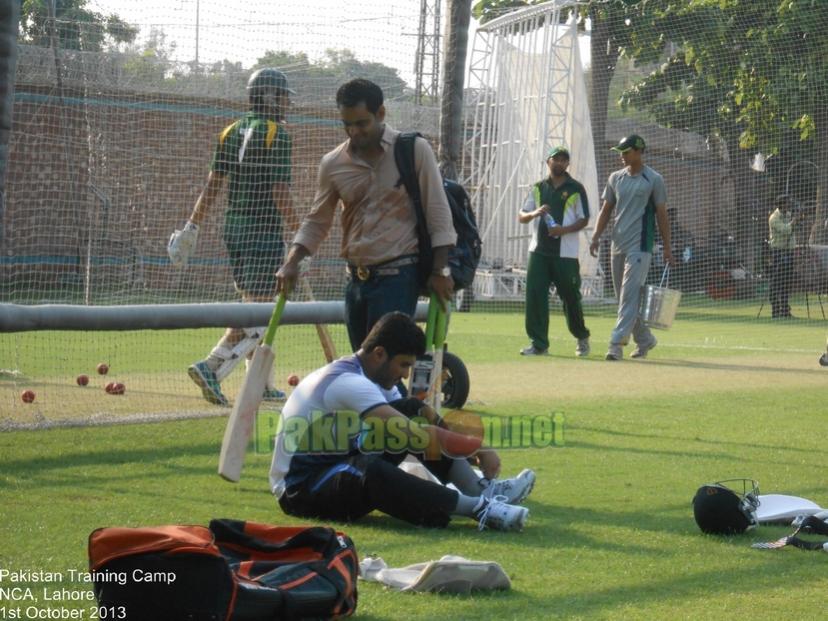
[604,55]
[454,76]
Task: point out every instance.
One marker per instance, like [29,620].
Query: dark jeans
[362,483]
[366,301]
[782,269]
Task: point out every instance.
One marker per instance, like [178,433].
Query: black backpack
[465,256]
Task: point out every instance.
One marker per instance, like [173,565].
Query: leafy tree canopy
[76,26]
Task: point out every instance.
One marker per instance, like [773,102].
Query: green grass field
[611,533]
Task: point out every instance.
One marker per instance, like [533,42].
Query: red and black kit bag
[231,571]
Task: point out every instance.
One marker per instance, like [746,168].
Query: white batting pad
[782,508]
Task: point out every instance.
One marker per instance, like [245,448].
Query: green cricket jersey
[568,204]
[254,152]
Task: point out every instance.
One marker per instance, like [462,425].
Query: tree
[454,75]
[336,65]
[149,64]
[345,65]
[782,85]
[694,90]
[76,26]
[751,74]
[281,59]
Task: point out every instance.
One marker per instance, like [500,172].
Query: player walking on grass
[560,209]
[254,155]
[637,198]
[313,477]
[360,180]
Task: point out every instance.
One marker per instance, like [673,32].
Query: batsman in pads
[253,154]
[345,429]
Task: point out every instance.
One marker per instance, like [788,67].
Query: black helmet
[720,510]
[265,79]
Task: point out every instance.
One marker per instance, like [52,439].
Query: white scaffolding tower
[526,70]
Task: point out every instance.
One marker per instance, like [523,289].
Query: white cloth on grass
[450,574]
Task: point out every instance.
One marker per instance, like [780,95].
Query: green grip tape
[275,318]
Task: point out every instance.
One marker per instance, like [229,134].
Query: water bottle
[550,221]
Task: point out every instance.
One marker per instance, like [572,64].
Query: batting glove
[182,244]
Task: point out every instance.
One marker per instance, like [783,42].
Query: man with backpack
[344,431]
[379,223]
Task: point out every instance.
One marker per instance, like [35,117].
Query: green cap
[633,141]
[559,150]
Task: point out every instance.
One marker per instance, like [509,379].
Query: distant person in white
[638,199]
[350,399]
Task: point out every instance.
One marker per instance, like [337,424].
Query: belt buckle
[363,273]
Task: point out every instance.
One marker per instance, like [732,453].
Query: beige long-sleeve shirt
[378,220]
[781,231]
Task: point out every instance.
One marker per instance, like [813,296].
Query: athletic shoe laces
[498,514]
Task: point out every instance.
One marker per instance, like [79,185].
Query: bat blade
[240,424]
[328,347]
[434,398]
[326,341]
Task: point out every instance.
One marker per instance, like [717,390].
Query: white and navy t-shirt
[320,422]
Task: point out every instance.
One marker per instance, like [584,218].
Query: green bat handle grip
[275,318]
[441,328]
[433,307]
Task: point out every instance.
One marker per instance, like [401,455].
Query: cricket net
[115,121]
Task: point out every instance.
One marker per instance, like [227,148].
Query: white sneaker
[642,350]
[514,490]
[499,515]
[582,349]
[615,352]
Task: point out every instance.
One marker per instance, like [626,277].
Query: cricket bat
[422,371]
[435,393]
[240,424]
[426,376]
[325,339]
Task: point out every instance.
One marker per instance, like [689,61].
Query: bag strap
[665,277]
[404,158]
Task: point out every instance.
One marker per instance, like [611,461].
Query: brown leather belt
[387,268]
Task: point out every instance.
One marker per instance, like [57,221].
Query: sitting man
[345,430]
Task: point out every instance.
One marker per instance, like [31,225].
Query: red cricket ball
[27,396]
[293,379]
[103,368]
[82,380]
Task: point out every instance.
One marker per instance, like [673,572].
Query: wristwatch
[445,272]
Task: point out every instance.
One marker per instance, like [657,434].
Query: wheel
[463,300]
[455,387]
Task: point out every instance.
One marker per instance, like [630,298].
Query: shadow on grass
[696,439]
[153,457]
[718,366]
[594,601]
